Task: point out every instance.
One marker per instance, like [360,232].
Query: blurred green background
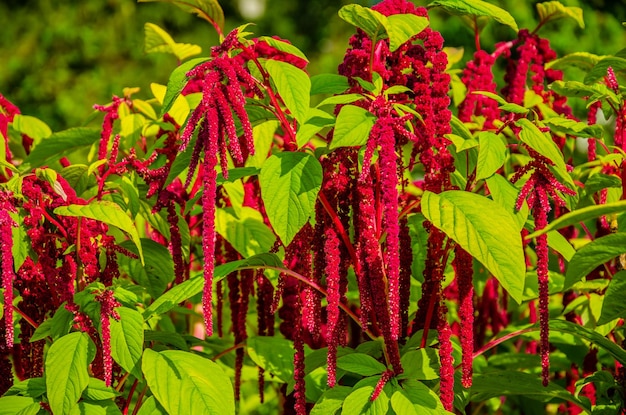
[58,58]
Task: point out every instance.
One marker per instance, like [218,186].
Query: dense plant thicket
[420,241]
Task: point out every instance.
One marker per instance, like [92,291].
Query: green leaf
[577,330]
[273,354]
[66,371]
[176,83]
[506,383]
[476,8]
[341,99]
[11,405]
[361,364]
[283,46]
[293,86]
[97,390]
[424,400]
[158,268]
[614,306]
[370,21]
[96,408]
[505,194]
[31,126]
[151,406]
[158,40]
[352,127]
[61,144]
[185,383]
[541,142]
[32,388]
[582,60]
[600,70]
[328,83]
[108,212]
[315,122]
[595,253]
[402,27]
[290,183]
[331,400]
[248,234]
[166,337]
[127,340]
[193,286]
[491,155]
[552,10]
[581,215]
[359,403]
[421,364]
[573,127]
[492,239]
[209,10]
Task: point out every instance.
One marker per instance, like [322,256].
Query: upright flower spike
[541,184]
[108,303]
[463,267]
[478,76]
[6,255]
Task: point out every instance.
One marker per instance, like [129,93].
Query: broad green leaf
[21,241]
[315,122]
[33,409]
[541,142]
[78,178]
[573,127]
[66,369]
[263,139]
[185,383]
[283,46]
[61,144]
[331,400]
[593,254]
[327,83]
[293,86]
[491,155]
[552,10]
[401,404]
[11,405]
[166,337]
[158,40]
[614,305]
[599,71]
[151,406]
[599,181]
[359,403]
[248,234]
[352,127]
[582,60]
[176,83]
[505,383]
[579,90]
[561,245]
[341,99]
[581,215]
[402,27]
[424,400]
[127,340]
[492,239]
[193,286]
[158,268]
[290,183]
[31,126]
[108,212]
[420,364]
[97,390]
[361,364]
[370,21]
[209,10]
[476,8]
[32,388]
[579,331]
[505,194]
[96,408]
[273,354]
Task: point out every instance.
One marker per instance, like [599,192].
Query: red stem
[340,229]
[129,399]
[25,317]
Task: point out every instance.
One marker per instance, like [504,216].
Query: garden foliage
[409,235]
